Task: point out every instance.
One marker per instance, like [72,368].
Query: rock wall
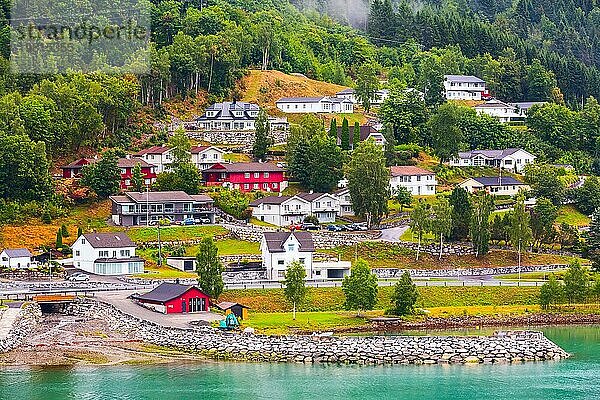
[384,273]
[510,347]
[245,138]
[25,322]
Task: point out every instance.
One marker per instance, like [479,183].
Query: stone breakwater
[509,348]
[26,321]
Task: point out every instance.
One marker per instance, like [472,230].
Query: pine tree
[137,178]
[209,269]
[593,241]
[461,213]
[64,231]
[356,135]
[333,132]
[59,237]
[405,295]
[262,138]
[345,140]
[79,231]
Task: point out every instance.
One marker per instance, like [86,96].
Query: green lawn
[256,221]
[230,247]
[570,215]
[281,323]
[173,233]
[408,237]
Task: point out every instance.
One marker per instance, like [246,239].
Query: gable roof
[497,181]
[495,104]
[408,170]
[245,167]
[364,132]
[174,195]
[275,240]
[200,149]
[165,292]
[346,91]
[80,162]
[270,200]
[108,240]
[125,162]
[311,196]
[300,99]
[226,109]
[226,305]
[463,78]
[493,154]
[153,150]
[16,253]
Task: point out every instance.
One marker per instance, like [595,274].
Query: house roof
[16,253]
[497,181]
[300,99]
[270,200]
[525,105]
[226,109]
[108,240]
[201,198]
[174,196]
[200,149]
[153,150]
[275,240]
[495,104]
[463,78]
[245,167]
[226,305]
[80,162]
[310,196]
[364,133]
[346,91]
[165,292]
[125,162]
[408,170]
[493,154]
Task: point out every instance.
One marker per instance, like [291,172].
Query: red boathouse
[172,298]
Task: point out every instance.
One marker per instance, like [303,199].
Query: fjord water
[575,378]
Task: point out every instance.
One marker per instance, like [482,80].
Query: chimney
[311,192]
[128,156]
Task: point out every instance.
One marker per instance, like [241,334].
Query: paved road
[393,234]
[119,299]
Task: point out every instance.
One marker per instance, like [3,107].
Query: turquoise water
[575,378]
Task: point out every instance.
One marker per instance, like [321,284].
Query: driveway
[120,301]
[393,234]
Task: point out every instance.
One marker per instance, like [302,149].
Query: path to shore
[7,317]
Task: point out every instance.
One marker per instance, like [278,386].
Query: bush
[405,295]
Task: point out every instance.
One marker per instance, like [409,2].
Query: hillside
[266,87]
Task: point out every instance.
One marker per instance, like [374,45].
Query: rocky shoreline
[212,343]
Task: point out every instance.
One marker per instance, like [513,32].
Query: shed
[171,298]
[239,310]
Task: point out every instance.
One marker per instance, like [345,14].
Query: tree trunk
[441,245]
[418,246]
[294,318]
[212,60]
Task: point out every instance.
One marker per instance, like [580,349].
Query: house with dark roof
[366,132]
[322,104]
[16,258]
[350,94]
[324,206]
[464,87]
[345,202]
[496,185]
[234,116]
[202,157]
[125,164]
[510,159]
[280,249]
[246,176]
[173,298]
[239,310]
[142,208]
[417,181]
[106,253]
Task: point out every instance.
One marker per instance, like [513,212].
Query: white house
[280,249]
[464,87]
[509,159]
[204,157]
[504,112]
[15,258]
[315,105]
[350,94]
[159,156]
[281,210]
[418,181]
[288,210]
[505,185]
[106,254]
[345,201]
[524,107]
[324,206]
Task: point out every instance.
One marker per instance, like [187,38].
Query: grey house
[140,208]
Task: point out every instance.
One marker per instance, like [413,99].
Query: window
[255,186]
[125,253]
[291,247]
[77,253]
[302,260]
[82,241]
[265,175]
[280,274]
[247,175]
[246,186]
[103,254]
[256,174]
[317,272]
[279,262]
[275,185]
[265,185]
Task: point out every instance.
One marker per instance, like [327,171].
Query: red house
[247,176]
[171,298]
[73,170]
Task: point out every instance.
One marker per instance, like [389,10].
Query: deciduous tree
[295,287]
[551,293]
[405,295]
[360,287]
[441,225]
[209,268]
[262,136]
[483,204]
[420,221]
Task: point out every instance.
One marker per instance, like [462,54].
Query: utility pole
[159,246]
[519,259]
[147,207]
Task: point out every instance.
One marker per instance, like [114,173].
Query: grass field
[230,247]
[173,233]
[382,255]
[572,216]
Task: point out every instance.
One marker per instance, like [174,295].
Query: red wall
[239,180]
[174,306]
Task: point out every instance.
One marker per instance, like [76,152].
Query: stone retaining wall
[245,138]
[26,321]
[384,273]
[512,347]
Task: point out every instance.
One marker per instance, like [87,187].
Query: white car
[79,277]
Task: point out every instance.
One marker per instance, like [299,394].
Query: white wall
[84,255]
[276,263]
[14,262]
[418,185]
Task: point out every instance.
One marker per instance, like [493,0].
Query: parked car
[188,221]
[79,277]
[294,227]
[334,228]
[361,226]
[350,227]
[309,226]
[202,220]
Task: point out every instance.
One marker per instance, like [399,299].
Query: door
[183,304]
